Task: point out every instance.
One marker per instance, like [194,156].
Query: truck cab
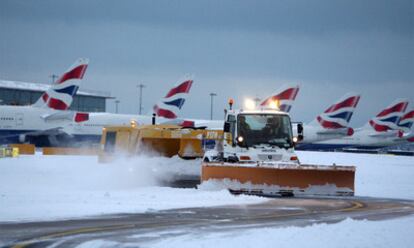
[263,135]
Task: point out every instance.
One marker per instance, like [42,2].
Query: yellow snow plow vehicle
[163,140]
[258,157]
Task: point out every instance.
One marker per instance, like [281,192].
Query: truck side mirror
[300,131]
[300,128]
[226,128]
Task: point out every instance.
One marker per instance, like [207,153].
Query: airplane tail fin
[171,104]
[339,114]
[389,118]
[286,95]
[406,122]
[60,95]
[406,126]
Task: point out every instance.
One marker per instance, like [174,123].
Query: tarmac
[134,228]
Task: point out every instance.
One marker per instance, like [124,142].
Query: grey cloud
[234,48]
[310,17]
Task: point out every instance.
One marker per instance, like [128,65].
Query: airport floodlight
[211,104]
[54,77]
[140,86]
[116,105]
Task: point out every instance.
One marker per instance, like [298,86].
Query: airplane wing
[61,115]
[348,131]
[391,133]
[66,115]
[179,122]
[333,131]
[51,131]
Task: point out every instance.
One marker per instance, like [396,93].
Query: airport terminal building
[25,93]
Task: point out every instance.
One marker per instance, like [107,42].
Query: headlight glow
[249,104]
[274,104]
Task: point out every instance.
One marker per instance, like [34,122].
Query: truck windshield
[265,129]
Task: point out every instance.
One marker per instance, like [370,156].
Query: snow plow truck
[257,156]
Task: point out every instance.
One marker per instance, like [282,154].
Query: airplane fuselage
[17,123]
[362,139]
[312,134]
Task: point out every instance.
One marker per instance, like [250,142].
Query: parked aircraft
[379,132]
[167,110]
[49,122]
[333,122]
[44,117]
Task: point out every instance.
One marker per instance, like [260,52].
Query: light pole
[211,104]
[257,100]
[140,86]
[116,105]
[54,77]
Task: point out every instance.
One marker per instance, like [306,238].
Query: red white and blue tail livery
[407,127]
[406,122]
[340,113]
[286,95]
[60,94]
[389,118]
[333,122]
[172,103]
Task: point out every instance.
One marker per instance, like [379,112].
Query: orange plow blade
[282,179]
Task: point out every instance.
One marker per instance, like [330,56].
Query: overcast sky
[233,48]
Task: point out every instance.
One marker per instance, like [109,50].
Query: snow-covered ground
[377,175]
[348,233]
[52,187]
[59,187]
[56,187]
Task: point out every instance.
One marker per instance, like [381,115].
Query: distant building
[24,93]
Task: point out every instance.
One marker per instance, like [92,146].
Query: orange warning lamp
[231,101]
